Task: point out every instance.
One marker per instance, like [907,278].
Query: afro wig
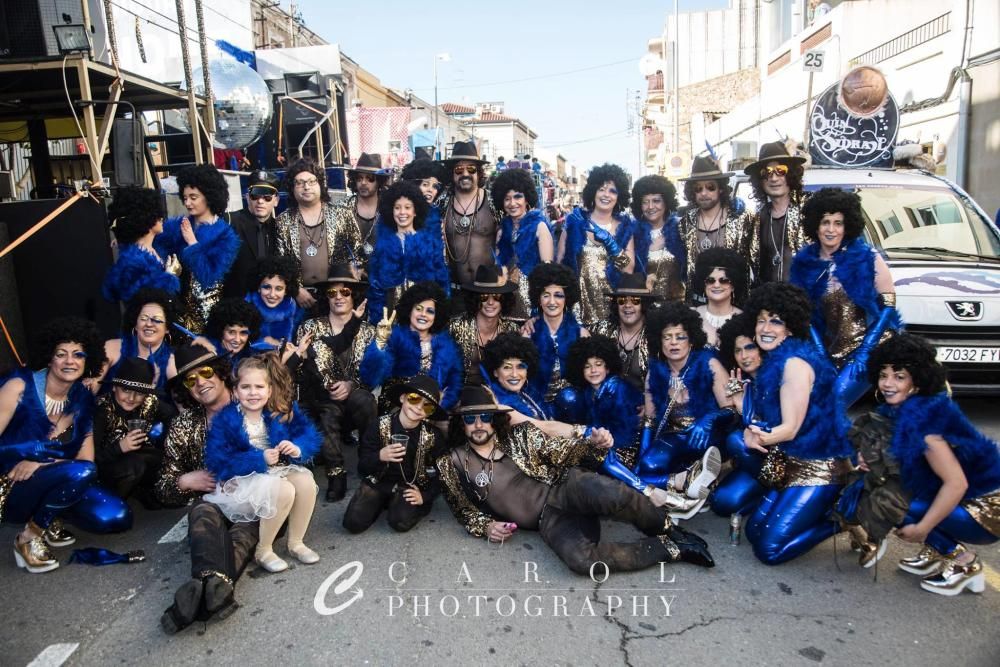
[833,200]
[305,165]
[743,324]
[135,211]
[144,297]
[517,180]
[286,268]
[69,330]
[423,168]
[207,179]
[654,184]
[423,291]
[673,314]
[510,346]
[550,273]
[402,190]
[583,350]
[230,312]
[787,301]
[598,177]
[730,262]
[917,356]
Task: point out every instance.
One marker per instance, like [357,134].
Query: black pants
[131,472]
[369,501]
[217,544]
[571,523]
[338,418]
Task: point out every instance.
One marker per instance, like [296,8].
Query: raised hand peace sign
[384,327]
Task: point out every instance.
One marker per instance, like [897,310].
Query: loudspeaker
[303,84]
[126,152]
[295,114]
[59,270]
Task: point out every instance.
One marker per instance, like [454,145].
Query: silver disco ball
[243,105]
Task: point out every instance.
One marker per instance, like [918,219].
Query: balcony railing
[655,83]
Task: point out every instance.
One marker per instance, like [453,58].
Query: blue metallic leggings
[739,492]
[665,455]
[67,489]
[959,526]
[791,521]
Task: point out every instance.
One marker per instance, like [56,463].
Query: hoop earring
[168,339]
[879,396]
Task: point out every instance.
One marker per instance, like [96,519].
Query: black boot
[336,487]
[218,594]
[184,610]
[684,546]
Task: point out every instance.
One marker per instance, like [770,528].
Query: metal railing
[905,42]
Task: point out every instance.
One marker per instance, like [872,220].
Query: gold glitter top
[816,472]
[197,302]
[343,238]
[738,234]
[183,452]
[332,367]
[845,323]
[986,511]
[112,424]
[426,448]
[665,271]
[463,331]
[593,262]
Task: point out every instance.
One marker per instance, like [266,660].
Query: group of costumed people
[641,363]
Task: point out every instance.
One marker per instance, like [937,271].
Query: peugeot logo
[966,311]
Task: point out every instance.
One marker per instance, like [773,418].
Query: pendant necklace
[711,235]
[483,478]
[367,248]
[779,251]
[313,248]
[464,222]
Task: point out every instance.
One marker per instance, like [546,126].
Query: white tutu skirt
[251,497]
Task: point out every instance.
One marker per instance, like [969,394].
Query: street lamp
[442,57]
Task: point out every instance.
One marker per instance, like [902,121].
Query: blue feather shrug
[228,452]
[393,263]
[823,433]
[280,322]
[137,269]
[549,351]
[209,259]
[526,248]
[920,416]
[401,359]
[517,401]
[698,378]
[614,406]
[671,240]
[576,227]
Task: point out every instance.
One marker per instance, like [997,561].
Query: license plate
[969,355]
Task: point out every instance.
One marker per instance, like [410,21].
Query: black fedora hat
[368,163]
[135,373]
[489,281]
[704,168]
[191,356]
[464,151]
[341,273]
[773,151]
[476,399]
[632,284]
[424,385]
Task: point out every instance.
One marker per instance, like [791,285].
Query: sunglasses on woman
[485,417]
[634,300]
[332,292]
[776,170]
[205,373]
[711,280]
[416,399]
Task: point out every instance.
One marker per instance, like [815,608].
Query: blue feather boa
[279,322]
[137,269]
[698,379]
[526,248]
[920,416]
[392,264]
[614,406]
[855,270]
[401,359]
[823,433]
[576,228]
[209,259]
[517,401]
[548,351]
[671,239]
[228,452]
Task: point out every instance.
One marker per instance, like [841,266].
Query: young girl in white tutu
[255,448]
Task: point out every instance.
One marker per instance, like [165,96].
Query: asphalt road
[461,600]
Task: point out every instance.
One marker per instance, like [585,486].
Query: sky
[517,52]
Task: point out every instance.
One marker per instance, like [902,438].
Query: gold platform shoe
[955,578]
[56,535]
[34,555]
[927,560]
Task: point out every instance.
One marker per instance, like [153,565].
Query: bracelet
[733,387]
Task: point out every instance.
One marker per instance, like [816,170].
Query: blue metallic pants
[67,489]
[789,522]
[668,454]
[959,526]
[739,492]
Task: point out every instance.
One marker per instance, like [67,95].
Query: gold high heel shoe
[955,578]
[34,555]
[56,534]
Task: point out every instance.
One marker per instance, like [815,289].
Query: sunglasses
[205,373]
[776,170]
[711,280]
[485,417]
[710,187]
[345,292]
[416,399]
[634,300]
[458,171]
[483,298]
[257,196]
[365,177]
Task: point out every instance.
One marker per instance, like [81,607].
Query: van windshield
[925,219]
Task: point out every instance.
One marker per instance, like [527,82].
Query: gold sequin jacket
[183,452]
[328,366]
